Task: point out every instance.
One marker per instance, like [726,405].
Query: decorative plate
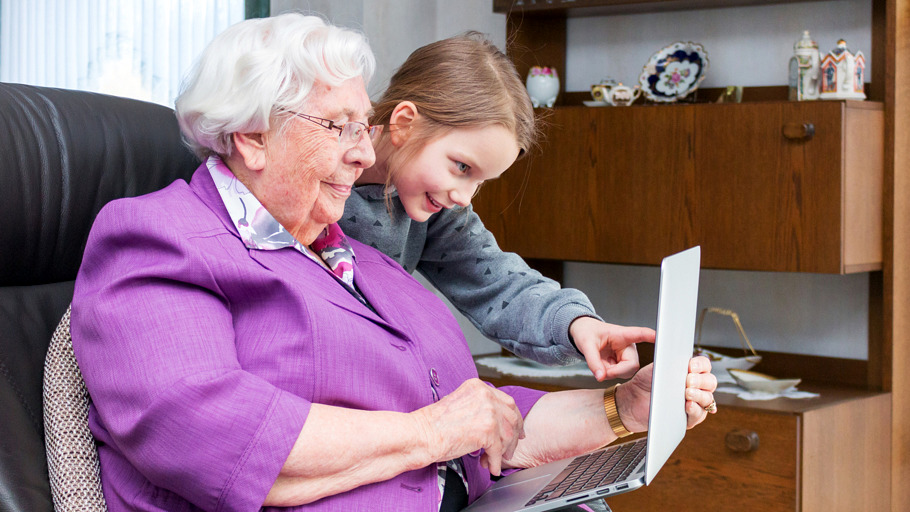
[674,72]
[754,381]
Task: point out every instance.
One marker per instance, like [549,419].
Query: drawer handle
[742,440]
[799,131]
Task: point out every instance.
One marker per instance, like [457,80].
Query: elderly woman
[242,353]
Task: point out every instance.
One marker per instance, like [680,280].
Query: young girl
[457,114]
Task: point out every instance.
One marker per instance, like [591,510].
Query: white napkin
[525,368]
[746,394]
[726,384]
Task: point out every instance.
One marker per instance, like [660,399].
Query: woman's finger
[705,381]
[699,364]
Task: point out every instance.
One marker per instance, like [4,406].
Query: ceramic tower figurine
[804,69]
[843,74]
[543,86]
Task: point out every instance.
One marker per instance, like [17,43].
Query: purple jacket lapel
[289,261]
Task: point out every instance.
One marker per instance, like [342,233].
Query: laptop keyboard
[594,470]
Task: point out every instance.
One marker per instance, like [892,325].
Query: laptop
[624,467]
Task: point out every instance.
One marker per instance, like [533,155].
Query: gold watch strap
[612,414]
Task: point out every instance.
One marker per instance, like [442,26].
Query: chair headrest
[63,155]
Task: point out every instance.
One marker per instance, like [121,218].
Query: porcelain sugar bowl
[543,86]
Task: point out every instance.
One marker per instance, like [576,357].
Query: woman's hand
[700,387]
[633,397]
[568,423]
[475,416]
[609,349]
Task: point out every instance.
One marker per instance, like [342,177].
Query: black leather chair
[63,155]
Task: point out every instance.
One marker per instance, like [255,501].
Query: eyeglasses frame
[372,131]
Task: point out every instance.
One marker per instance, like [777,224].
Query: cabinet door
[767,202]
[611,184]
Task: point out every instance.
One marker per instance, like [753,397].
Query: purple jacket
[202,357]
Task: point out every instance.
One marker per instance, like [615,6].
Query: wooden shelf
[584,8]
[634,184]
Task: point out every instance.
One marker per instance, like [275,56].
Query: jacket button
[434,376]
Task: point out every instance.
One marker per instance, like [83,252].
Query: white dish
[593,103]
[721,362]
[754,381]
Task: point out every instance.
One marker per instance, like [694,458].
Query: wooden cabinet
[808,455]
[776,186]
[799,455]
[630,185]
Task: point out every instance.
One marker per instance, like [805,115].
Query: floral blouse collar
[259,230]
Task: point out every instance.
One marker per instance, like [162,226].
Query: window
[135,48]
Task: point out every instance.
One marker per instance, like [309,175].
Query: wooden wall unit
[723,176]
[892,19]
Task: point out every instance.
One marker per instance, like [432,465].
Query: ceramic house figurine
[804,69]
[843,74]
[543,86]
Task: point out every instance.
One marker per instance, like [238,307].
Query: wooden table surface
[829,394]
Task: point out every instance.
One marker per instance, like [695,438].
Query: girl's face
[448,170]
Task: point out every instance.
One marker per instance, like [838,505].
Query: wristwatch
[612,414]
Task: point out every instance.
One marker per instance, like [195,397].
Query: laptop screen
[676,313]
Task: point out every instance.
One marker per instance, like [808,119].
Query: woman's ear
[403,117]
[251,148]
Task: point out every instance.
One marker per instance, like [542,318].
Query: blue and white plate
[674,72]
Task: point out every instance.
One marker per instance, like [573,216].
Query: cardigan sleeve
[522,310]
[153,336]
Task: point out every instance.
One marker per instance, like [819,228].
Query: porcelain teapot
[601,92]
[622,95]
[615,93]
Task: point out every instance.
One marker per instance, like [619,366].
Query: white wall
[747,46]
[797,313]
[395,28]
[782,312]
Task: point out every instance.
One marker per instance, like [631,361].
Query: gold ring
[712,407]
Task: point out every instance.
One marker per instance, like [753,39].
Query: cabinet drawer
[705,474]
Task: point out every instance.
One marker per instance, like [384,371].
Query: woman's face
[310,172]
[448,170]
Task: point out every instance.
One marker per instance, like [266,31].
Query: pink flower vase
[543,86]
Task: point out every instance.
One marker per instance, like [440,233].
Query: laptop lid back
[676,313]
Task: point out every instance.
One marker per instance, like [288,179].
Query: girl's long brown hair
[464,81]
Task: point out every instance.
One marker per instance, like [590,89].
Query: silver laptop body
[539,489]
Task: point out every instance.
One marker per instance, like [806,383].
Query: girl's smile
[448,170]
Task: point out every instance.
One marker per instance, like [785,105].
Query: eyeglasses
[349,133]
